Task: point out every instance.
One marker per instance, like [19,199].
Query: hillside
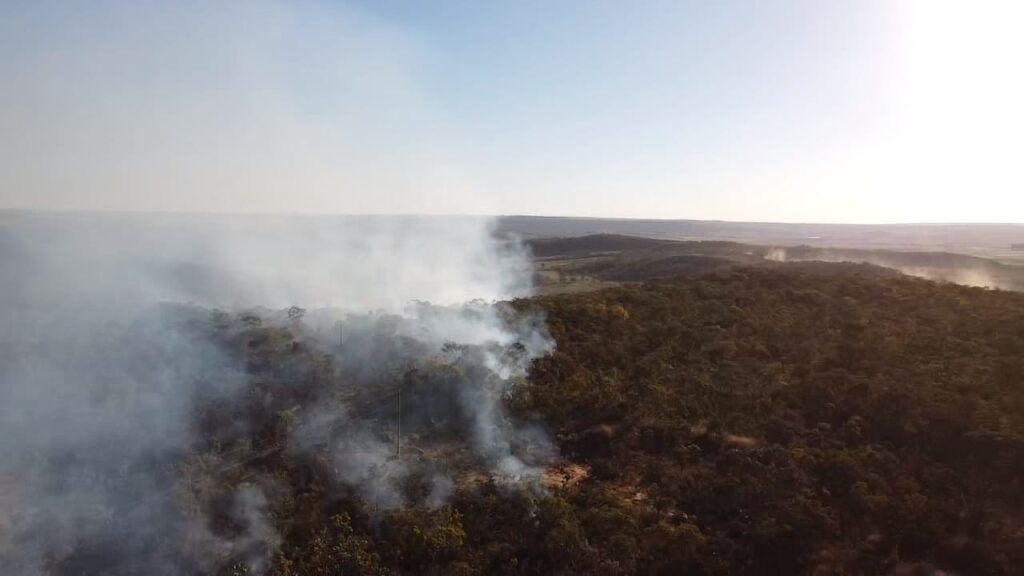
[574,264]
[773,419]
[987,240]
[589,245]
[600,259]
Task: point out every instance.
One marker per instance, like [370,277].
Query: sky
[868,111]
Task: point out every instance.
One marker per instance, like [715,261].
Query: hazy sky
[837,111]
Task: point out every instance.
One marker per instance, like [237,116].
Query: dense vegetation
[774,419]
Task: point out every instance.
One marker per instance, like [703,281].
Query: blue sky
[868,111]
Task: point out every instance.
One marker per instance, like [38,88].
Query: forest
[806,418]
[479,288]
[782,418]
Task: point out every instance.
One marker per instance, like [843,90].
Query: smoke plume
[938,266]
[146,359]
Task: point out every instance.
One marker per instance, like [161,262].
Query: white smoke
[775,254]
[121,333]
[975,276]
[107,350]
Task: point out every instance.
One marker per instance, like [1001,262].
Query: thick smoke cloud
[117,332]
[142,355]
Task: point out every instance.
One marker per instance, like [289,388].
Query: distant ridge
[591,244]
[989,240]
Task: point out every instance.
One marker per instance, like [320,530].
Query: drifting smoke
[141,353]
[146,359]
[775,254]
[936,267]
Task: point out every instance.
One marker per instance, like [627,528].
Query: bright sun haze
[874,111]
[513,287]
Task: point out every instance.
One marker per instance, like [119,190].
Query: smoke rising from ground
[146,358]
[140,353]
[939,267]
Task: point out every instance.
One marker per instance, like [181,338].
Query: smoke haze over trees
[144,355]
[260,316]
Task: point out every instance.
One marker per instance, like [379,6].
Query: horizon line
[262,213]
